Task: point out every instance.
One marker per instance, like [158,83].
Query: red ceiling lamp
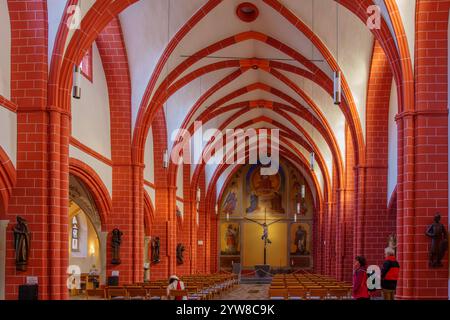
[247,12]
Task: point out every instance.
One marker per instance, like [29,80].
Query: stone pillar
[147,258]
[103,239]
[3,226]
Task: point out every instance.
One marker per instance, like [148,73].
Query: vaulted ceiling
[198,60]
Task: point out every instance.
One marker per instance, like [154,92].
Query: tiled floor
[247,292]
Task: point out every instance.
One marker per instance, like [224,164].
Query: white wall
[151,193]
[407,9]
[55,10]
[393,142]
[103,170]
[8,133]
[91,114]
[180,182]
[5,50]
[149,171]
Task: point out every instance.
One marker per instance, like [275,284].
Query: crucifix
[265,235]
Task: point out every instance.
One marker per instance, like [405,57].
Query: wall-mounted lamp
[76,90]
[337,87]
[166,159]
[312,160]
[92,250]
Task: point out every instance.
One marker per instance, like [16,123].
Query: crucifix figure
[265,235]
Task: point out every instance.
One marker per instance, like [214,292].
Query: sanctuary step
[253,279]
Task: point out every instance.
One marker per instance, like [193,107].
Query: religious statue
[300,240]
[231,239]
[156,243]
[22,242]
[265,226]
[231,201]
[116,242]
[265,235]
[180,251]
[439,241]
[254,200]
[392,242]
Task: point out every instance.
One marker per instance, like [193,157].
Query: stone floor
[247,292]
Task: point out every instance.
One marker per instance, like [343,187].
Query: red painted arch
[161,95]
[223,167]
[149,214]
[7,181]
[286,133]
[96,187]
[328,138]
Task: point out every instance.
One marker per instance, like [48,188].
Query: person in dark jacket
[389,274]
[360,290]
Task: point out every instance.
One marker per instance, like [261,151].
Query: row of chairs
[196,288]
[126,293]
[207,287]
[309,294]
[307,287]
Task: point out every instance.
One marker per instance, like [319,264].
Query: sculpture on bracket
[22,243]
[300,240]
[439,241]
[116,241]
[156,243]
[180,252]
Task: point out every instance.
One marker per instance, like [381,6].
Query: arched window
[75,235]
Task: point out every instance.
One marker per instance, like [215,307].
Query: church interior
[249,149]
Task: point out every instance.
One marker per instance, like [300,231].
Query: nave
[145,139]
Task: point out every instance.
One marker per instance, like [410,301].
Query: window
[75,235]
[86,65]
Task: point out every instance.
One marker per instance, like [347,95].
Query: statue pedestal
[262,270]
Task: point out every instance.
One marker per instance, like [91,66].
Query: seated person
[175,284]
[94,271]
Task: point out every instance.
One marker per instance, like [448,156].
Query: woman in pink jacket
[360,291]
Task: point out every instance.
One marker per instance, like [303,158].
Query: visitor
[360,291]
[175,284]
[389,274]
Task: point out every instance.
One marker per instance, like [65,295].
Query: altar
[266,222]
[262,270]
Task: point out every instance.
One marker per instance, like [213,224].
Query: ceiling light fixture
[76,91]
[337,79]
[247,12]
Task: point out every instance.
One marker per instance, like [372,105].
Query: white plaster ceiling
[148,26]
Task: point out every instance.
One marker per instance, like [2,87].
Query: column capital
[364,166]
[430,112]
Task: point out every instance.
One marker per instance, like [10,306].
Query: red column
[202,230]
[40,195]
[127,200]
[378,224]
[423,157]
[349,214]
[214,220]
[183,231]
